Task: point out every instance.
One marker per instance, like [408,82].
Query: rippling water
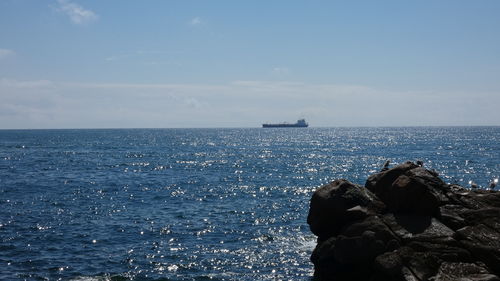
[196,204]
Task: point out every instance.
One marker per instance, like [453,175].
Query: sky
[198,64]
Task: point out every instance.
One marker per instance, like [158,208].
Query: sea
[197,204]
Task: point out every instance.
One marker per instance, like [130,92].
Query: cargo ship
[301,123]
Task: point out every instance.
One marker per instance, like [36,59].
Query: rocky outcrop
[405,224]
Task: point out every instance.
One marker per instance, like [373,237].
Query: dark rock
[483,242]
[377,183]
[450,250]
[408,188]
[450,216]
[357,249]
[409,195]
[407,224]
[407,275]
[323,251]
[452,271]
[338,203]
[421,228]
[388,265]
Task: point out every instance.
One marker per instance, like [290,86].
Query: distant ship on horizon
[301,123]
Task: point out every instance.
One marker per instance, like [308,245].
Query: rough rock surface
[405,224]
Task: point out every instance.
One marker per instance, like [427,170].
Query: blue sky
[117,63]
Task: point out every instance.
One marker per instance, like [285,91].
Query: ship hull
[284,126]
[301,123]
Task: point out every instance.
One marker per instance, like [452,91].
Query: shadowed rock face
[405,224]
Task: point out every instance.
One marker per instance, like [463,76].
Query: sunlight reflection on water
[196,204]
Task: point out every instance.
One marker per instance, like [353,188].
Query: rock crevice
[405,224]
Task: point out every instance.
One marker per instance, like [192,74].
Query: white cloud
[50,104]
[76,13]
[195,21]
[4,53]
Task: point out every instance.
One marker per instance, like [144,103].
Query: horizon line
[260,127]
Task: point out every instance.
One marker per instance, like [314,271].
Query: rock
[335,204]
[323,251]
[450,216]
[407,188]
[377,182]
[453,271]
[389,264]
[487,216]
[483,242]
[405,224]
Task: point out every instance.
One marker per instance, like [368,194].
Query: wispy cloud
[33,84]
[195,21]
[76,13]
[4,53]
[52,104]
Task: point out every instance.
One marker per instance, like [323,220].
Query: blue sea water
[196,204]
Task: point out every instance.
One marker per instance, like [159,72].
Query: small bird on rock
[386,165]
[473,184]
[493,184]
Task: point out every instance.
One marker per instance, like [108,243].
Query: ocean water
[196,204]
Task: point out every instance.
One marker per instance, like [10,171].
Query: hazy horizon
[75,64]
[254,127]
